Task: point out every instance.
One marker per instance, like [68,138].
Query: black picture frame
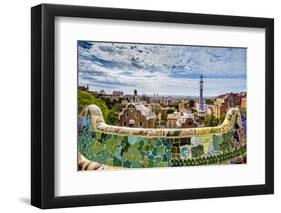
[43,102]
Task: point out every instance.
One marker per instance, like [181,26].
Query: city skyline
[166,70]
[107,92]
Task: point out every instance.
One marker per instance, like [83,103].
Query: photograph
[133,105]
[160,105]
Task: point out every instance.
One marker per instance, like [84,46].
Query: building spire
[201,77]
[202,109]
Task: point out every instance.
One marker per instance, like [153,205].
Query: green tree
[216,121]
[170,111]
[191,103]
[117,107]
[210,120]
[86,98]
[112,117]
[209,101]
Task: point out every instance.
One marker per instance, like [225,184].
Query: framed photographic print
[140,106]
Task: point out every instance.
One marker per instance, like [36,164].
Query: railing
[148,147]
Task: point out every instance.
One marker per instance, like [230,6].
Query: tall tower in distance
[135,96]
[202,108]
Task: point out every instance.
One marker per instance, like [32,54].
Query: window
[140,123]
[125,124]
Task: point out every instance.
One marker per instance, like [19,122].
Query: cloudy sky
[162,69]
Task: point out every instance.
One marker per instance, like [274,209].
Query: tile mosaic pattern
[124,147]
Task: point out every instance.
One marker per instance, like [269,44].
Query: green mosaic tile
[127,164]
[160,150]
[117,153]
[184,152]
[96,148]
[117,162]
[165,158]
[136,164]
[151,163]
[197,151]
[163,164]
[158,159]
[227,137]
[133,139]
[151,157]
[217,140]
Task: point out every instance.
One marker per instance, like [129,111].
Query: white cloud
[162,69]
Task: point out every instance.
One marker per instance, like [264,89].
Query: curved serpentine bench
[148,147]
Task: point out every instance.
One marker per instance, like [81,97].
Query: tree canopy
[86,98]
[191,102]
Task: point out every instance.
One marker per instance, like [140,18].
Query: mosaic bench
[116,146]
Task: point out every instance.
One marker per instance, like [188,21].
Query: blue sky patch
[161,69]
